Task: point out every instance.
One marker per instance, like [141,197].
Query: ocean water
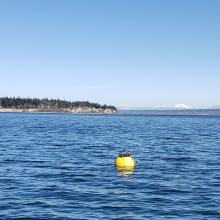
[61,166]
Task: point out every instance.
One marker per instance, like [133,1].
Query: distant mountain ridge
[17,104]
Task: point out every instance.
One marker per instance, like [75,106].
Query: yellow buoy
[125,161]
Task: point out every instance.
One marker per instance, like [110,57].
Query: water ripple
[61,166]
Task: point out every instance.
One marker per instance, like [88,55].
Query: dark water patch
[180,158]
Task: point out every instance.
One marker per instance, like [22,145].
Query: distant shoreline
[185,112]
[202,112]
[51,111]
[36,105]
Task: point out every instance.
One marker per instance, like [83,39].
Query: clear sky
[120,52]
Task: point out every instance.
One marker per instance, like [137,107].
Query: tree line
[28,103]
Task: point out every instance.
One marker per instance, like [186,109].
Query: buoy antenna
[125,153]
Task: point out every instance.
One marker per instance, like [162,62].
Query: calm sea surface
[61,166]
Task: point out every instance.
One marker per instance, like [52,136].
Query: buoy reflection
[125,171]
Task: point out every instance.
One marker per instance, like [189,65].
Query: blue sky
[119,52]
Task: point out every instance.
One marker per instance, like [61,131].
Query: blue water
[61,166]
